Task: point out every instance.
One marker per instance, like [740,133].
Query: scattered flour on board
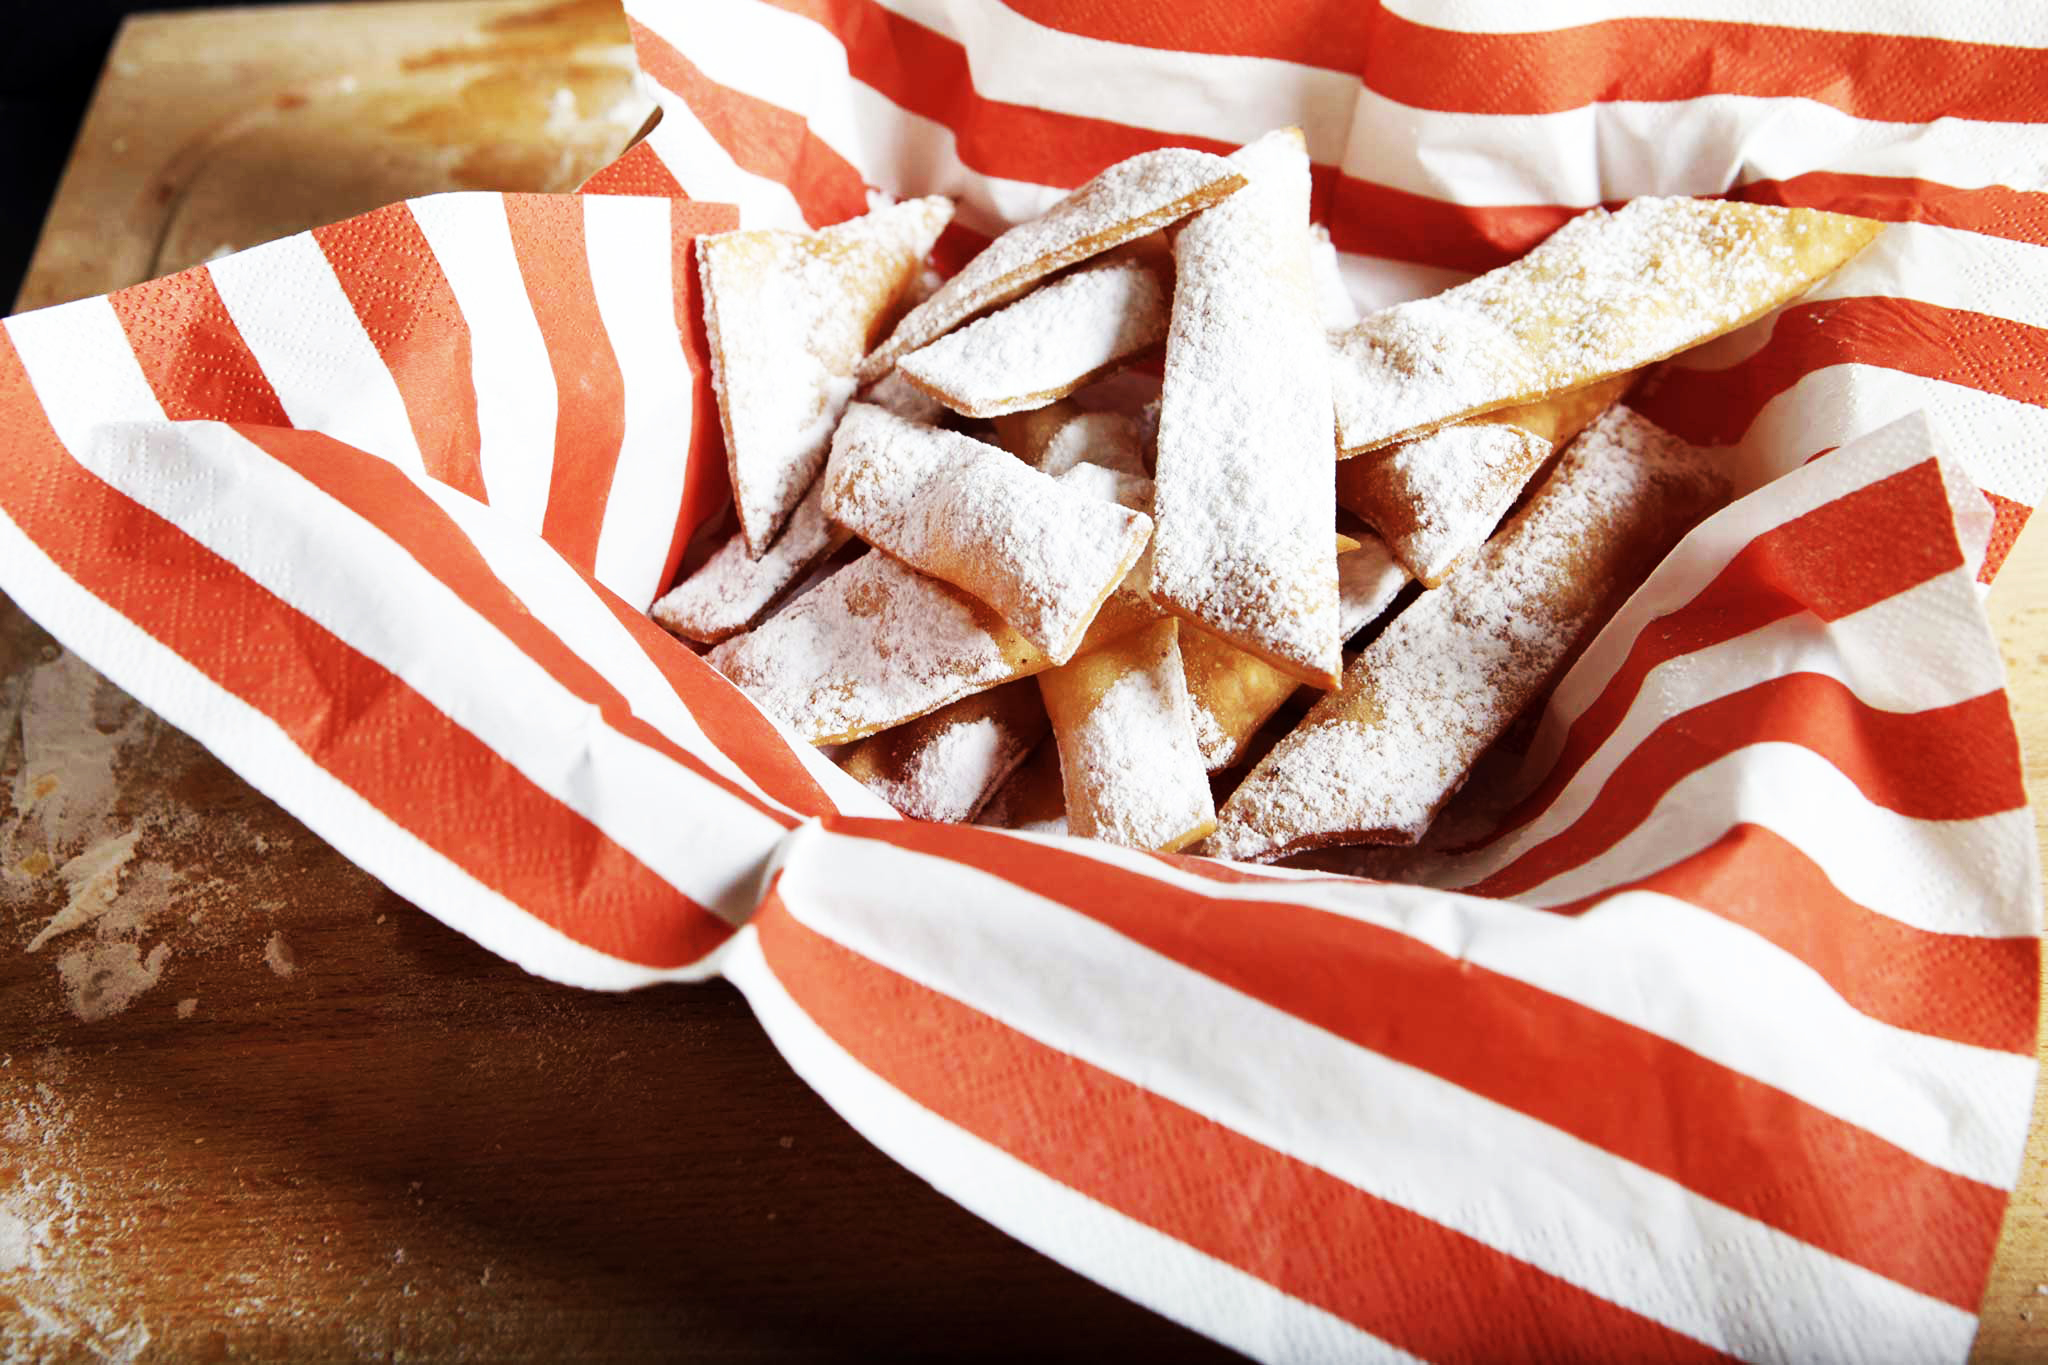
[279,957]
[70,1303]
[86,879]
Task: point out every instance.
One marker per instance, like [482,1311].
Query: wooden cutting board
[264,1107]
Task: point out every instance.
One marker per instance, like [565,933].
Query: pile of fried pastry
[1014,567]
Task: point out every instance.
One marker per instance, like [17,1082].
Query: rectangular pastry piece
[1375,760]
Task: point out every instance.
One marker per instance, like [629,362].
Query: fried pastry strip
[1128,200]
[788,316]
[731,591]
[1129,762]
[1042,555]
[1033,799]
[1046,344]
[946,764]
[872,646]
[905,399]
[1438,497]
[1246,495]
[1234,693]
[1607,293]
[1109,439]
[1375,760]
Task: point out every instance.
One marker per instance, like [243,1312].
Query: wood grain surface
[261,1107]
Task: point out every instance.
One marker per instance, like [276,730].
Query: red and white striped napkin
[1723,1046]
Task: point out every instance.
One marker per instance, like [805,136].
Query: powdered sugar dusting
[1108,439]
[1046,344]
[1334,304]
[1032,799]
[1374,761]
[1246,486]
[1128,200]
[945,765]
[874,645]
[1217,746]
[952,773]
[905,399]
[731,590]
[1130,604]
[1129,758]
[789,315]
[1436,499]
[1368,581]
[1044,556]
[1233,692]
[1608,292]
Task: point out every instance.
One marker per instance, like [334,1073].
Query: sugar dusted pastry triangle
[947,763]
[1042,555]
[905,399]
[1027,434]
[788,316]
[1129,200]
[871,647]
[1607,293]
[1129,760]
[1046,344]
[1108,439]
[1369,578]
[1435,498]
[1246,498]
[1375,760]
[732,590]
[1033,798]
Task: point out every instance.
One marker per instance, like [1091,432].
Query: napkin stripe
[1341,35]
[1954,763]
[359,721]
[1561,962]
[1895,867]
[1898,79]
[893,54]
[1992,211]
[731,722]
[1300,1208]
[640,170]
[1130,1257]
[1382,220]
[706,485]
[590,424]
[762,139]
[1414,1004]
[1331,34]
[1725,995]
[397,288]
[1890,535]
[1974,350]
[401,510]
[301,330]
[471,237]
[879,45]
[908,63]
[1978,991]
[192,352]
[632,258]
[1984,21]
[59,336]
